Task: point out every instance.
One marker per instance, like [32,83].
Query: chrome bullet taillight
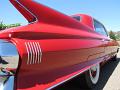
[9,59]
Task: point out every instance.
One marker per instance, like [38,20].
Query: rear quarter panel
[64,52]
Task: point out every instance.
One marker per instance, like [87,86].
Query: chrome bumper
[7,83]
[9,59]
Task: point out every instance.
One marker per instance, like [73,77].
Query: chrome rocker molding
[80,72]
[9,59]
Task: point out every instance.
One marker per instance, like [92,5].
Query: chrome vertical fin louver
[34,53]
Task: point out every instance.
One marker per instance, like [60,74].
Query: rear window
[76,18]
[99,28]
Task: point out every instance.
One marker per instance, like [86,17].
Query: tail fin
[32,10]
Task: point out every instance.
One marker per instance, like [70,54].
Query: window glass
[76,18]
[99,28]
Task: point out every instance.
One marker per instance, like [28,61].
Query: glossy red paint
[56,47]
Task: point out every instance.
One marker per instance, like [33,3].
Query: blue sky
[106,11]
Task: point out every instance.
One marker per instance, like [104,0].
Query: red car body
[54,47]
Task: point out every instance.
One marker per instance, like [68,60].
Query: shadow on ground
[106,72]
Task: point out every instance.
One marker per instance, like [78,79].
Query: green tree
[118,36]
[112,35]
[4,26]
[13,25]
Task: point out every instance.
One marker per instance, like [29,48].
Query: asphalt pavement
[109,78]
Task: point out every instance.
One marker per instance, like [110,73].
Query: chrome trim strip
[35,52]
[27,52]
[33,58]
[30,51]
[28,11]
[40,54]
[82,71]
[66,80]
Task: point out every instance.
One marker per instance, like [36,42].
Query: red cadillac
[52,49]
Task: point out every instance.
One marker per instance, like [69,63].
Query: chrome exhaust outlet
[9,59]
